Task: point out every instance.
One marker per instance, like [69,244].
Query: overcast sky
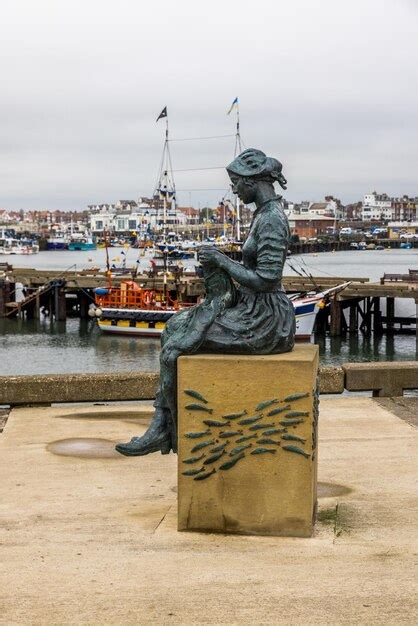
[328,87]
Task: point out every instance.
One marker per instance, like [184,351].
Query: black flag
[162,114]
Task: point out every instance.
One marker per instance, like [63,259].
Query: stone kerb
[46,389]
[383,379]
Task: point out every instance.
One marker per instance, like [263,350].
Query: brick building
[310,225]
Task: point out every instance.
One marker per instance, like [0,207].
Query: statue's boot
[156,439]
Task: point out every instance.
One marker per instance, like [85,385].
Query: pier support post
[321,321]
[60,307]
[416,321]
[7,294]
[390,314]
[83,305]
[366,324]
[38,306]
[30,309]
[3,297]
[378,326]
[336,317]
[353,318]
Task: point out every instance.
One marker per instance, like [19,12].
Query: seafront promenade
[89,536]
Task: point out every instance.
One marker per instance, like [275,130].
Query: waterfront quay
[365,306]
[91,536]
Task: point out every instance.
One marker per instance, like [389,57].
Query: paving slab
[89,537]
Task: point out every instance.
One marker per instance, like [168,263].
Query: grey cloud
[329,88]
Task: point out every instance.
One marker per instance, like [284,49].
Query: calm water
[29,347]
[356,263]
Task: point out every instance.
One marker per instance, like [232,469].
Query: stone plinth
[253,473]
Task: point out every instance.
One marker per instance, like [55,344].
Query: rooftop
[309,217]
[318,206]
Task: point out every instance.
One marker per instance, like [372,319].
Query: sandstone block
[247,459]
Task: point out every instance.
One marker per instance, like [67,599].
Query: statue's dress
[259,322]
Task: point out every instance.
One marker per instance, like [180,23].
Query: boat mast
[106,239]
[167,191]
[238,150]
[165,179]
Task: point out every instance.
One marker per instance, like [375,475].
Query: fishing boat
[133,310]
[130,309]
[81,242]
[10,245]
[58,241]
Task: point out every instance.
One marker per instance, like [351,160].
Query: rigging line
[294,269]
[201,138]
[198,169]
[171,168]
[306,271]
[87,293]
[160,171]
[208,189]
[310,266]
[311,278]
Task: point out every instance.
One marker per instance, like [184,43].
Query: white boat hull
[19,250]
[305,312]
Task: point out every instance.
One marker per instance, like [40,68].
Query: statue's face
[244,188]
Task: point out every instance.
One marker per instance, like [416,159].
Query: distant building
[396,229]
[5,217]
[318,208]
[331,207]
[310,225]
[380,207]
[128,216]
[376,207]
[405,209]
[353,212]
[335,208]
[192,214]
[303,207]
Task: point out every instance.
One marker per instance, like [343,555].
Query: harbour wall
[383,379]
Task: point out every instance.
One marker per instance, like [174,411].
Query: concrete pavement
[89,537]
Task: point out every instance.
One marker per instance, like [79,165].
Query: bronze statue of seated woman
[245,310]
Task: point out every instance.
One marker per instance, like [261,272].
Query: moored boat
[57,242]
[130,309]
[10,245]
[81,243]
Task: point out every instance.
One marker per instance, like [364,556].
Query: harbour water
[78,345]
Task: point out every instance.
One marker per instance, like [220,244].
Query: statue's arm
[243,276]
[271,235]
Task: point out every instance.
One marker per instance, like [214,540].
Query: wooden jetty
[357,308]
[364,304]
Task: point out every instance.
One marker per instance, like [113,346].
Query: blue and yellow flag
[233,105]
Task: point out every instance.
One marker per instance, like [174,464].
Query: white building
[102,217]
[377,207]
[128,216]
[331,207]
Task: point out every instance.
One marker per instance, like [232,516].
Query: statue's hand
[211,256]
